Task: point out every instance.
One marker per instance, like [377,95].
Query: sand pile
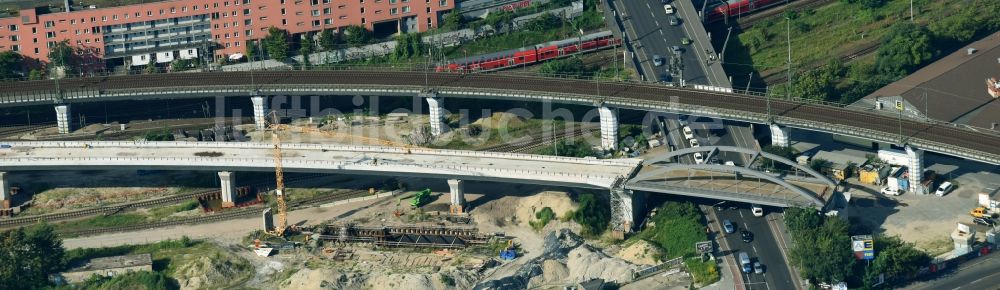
[500,120]
[584,264]
[641,253]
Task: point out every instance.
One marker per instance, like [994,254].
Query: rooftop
[955,86]
[114,262]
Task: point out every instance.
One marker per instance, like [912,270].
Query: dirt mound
[309,279]
[500,120]
[553,271]
[585,263]
[559,202]
[400,281]
[641,253]
[216,272]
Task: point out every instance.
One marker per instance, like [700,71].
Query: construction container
[869,174]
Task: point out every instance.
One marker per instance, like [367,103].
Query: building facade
[186,29]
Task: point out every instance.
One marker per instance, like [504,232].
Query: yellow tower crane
[279,176]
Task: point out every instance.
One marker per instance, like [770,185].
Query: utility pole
[927,113]
[911,10]
[722,58]
[748,81]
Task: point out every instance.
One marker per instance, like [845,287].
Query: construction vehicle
[508,253]
[420,198]
[993,87]
[982,212]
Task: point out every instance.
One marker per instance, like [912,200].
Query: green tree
[591,215]
[895,259]
[35,75]
[251,50]
[276,43]
[819,164]
[453,20]
[328,40]
[571,67]
[819,84]
[151,68]
[180,65]
[799,219]
[906,47]
[499,18]
[29,255]
[824,254]
[10,64]
[543,22]
[307,47]
[356,35]
[134,280]
[62,54]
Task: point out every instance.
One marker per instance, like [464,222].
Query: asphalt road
[981,274]
[648,27]
[763,248]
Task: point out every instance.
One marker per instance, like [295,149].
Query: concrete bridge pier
[63,121]
[916,167]
[435,105]
[780,136]
[457,187]
[259,109]
[4,191]
[626,210]
[609,128]
[228,188]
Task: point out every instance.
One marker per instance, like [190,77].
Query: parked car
[698,158]
[685,41]
[694,143]
[944,188]
[688,133]
[984,221]
[730,163]
[668,8]
[747,236]
[728,226]
[657,60]
[889,191]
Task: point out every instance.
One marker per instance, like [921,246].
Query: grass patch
[544,216]
[116,220]
[161,212]
[78,255]
[704,272]
[676,228]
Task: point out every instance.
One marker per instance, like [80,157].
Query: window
[328,21]
[137,15]
[363,20]
[36,50]
[428,10]
[225,14]
[227,45]
[343,17]
[236,34]
[237,44]
[404,1]
[246,1]
[149,13]
[15,47]
[12,27]
[392,1]
[225,25]
[93,19]
[282,11]
[284,21]
[72,21]
[34,30]
[104,18]
[392,11]
[341,6]
[14,37]
[443,3]
[194,7]
[236,23]
[316,23]
[327,11]
[49,24]
[248,22]
[50,34]
[315,2]
[406,9]
[326,1]
[315,12]
[184,9]
[246,11]
[362,10]
[226,2]
[114,17]
[216,26]
[215,5]
[248,32]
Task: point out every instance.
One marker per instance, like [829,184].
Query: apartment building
[166,30]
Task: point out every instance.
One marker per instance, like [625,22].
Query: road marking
[755,250]
[741,213]
[658,25]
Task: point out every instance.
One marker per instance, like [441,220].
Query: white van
[944,188]
[757,210]
[745,263]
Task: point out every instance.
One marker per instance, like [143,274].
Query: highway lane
[651,30]
[763,248]
[980,274]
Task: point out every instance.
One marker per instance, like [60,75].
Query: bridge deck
[486,166]
[726,186]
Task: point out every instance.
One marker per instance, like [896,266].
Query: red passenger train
[533,54]
[737,7]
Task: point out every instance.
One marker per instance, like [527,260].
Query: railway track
[748,21]
[778,77]
[230,214]
[964,139]
[112,209]
[13,131]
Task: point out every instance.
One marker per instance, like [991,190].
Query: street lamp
[788,37]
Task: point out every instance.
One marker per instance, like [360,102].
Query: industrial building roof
[955,86]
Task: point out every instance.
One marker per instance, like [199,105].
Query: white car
[757,210]
[730,163]
[694,143]
[944,188]
[698,158]
[668,8]
[688,133]
[888,191]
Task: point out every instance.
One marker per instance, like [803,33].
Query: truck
[420,198]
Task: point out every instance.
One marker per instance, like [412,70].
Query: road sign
[703,247]
[863,246]
[899,105]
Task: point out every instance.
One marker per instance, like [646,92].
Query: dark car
[665,1]
[984,221]
[674,21]
[658,60]
[747,236]
[728,226]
